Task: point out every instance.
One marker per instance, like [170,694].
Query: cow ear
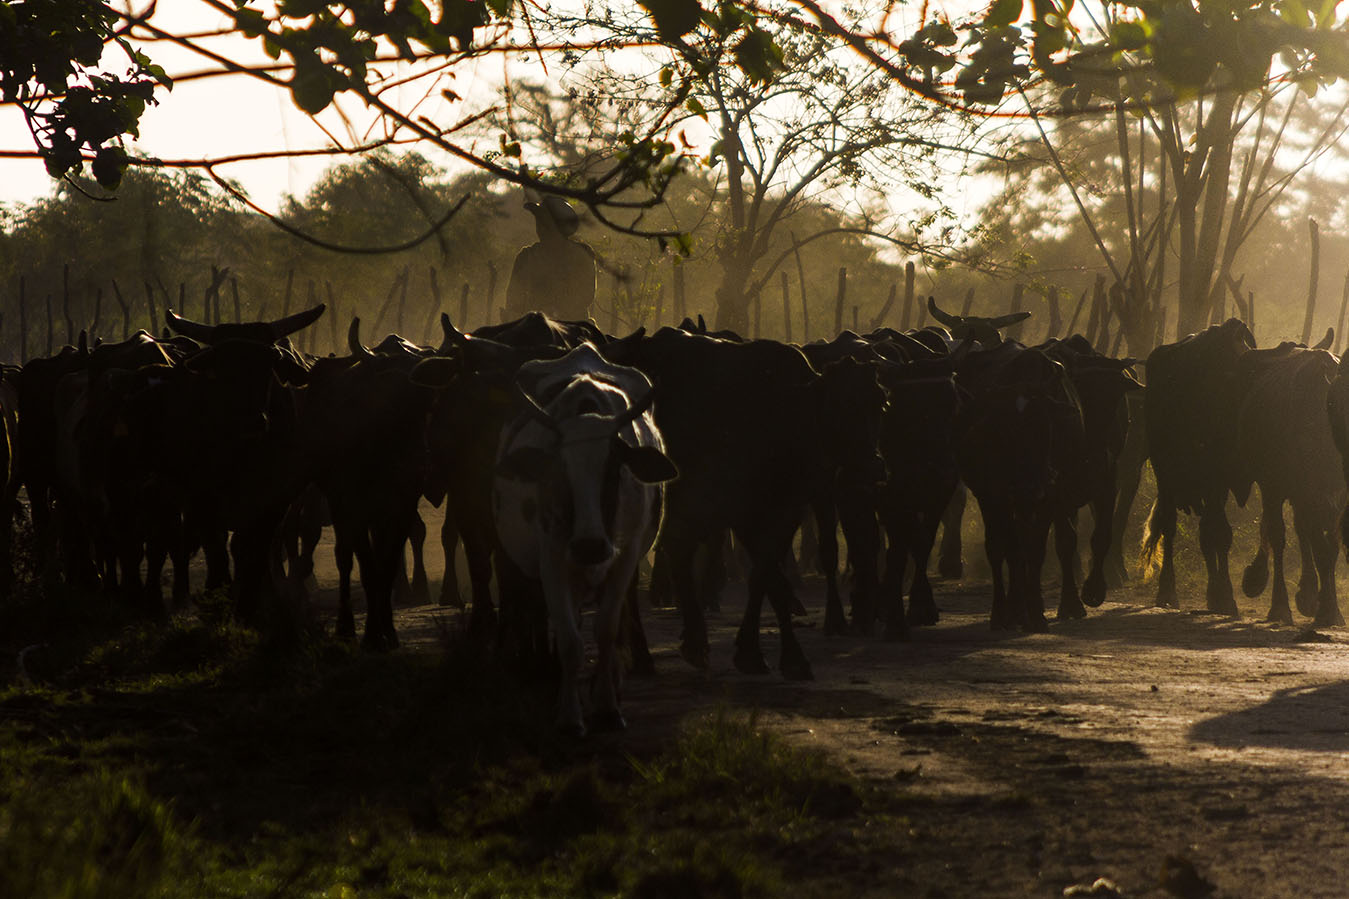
[525,463]
[648,464]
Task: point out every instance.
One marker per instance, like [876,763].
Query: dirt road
[1031,763]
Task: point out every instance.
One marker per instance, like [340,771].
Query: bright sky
[221,116]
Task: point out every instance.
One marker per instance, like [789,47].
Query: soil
[1169,752]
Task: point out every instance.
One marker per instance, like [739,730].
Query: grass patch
[188,759]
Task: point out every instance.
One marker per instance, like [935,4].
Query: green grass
[190,759]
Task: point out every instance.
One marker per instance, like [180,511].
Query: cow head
[576,456]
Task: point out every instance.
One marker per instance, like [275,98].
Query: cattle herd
[566,457]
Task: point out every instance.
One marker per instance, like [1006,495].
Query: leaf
[1128,36]
[1002,13]
[758,56]
[108,165]
[1294,12]
[311,87]
[673,18]
[666,76]
[696,107]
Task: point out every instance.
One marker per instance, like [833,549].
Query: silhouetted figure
[557,274]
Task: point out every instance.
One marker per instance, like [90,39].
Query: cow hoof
[1279,615]
[834,623]
[1307,602]
[607,722]
[1069,611]
[750,661]
[572,731]
[921,616]
[895,633]
[380,642]
[797,669]
[1093,591]
[1036,624]
[697,655]
[1255,577]
[642,665]
[1330,617]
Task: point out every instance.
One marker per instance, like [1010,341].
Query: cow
[362,439]
[1191,407]
[1019,440]
[577,502]
[757,435]
[1101,383]
[1286,446]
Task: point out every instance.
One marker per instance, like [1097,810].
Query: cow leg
[1161,535]
[1215,541]
[680,549]
[421,586]
[1065,544]
[1102,534]
[619,596]
[922,606]
[565,620]
[1308,588]
[640,651]
[892,582]
[344,555]
[1128,475]
[998,549]
[949,564]
[716,573]
[858,516]
[1321,531]
[748,652]
[1031,543]
[483,621]
[1273,537]
[385,553]
[766,577]
[826,524]
[1256,576]
[449,545]
[661,591]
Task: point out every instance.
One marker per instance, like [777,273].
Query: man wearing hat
[557,274]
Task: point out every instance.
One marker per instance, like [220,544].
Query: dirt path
[1024,764]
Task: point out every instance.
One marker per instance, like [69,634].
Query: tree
[810,129]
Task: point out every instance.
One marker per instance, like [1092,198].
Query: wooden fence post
[801,283]
[786,309]
[1077,312]
[65,303]
[23,321]
[126,310]
[150,309]
[908,296]
[1315,276]
[839,298]
[681,309]
[879,320]
[968,303]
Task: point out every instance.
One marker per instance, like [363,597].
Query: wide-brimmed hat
[563,217]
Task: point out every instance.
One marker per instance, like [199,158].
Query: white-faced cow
[577,503]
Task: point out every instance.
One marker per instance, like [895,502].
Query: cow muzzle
[591,551]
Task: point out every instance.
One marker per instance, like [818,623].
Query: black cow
[757,434]
[1020,439]
[1101,384]
[1285,445]
[1191,405]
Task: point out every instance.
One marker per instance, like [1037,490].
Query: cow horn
[1011,318]
[354,345]
[188,328]
[538,413]
[946,318]
[84,342]
[702,325]
[635,411]
[1326,341]
[297,322]
[453,336]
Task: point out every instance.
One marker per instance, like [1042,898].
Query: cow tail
[1161,520]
